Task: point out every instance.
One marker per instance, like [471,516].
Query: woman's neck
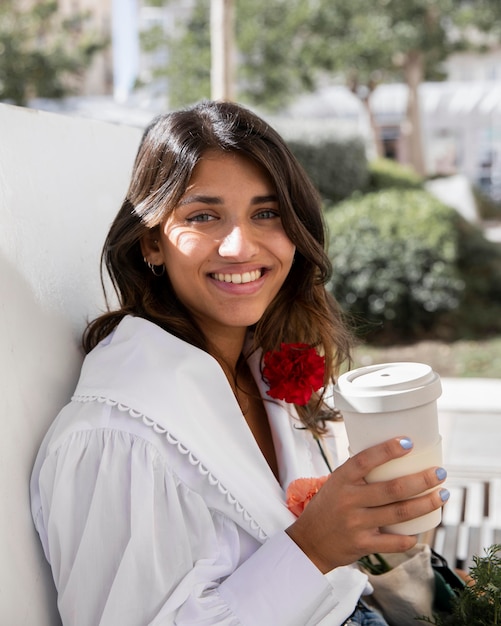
[227,349]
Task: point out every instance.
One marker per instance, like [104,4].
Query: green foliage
[387,173]
[278,49]
[376,39]
[41,52]
[395,257]
[407,267]
[289,46]
[187,53]
[478,604]
[479,263]
[336,168]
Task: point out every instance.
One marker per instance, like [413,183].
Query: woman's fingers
[407,509]
[343,520]
[359,465]
[398,489]
[400,493]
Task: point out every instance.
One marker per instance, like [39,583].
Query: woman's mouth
[238,279]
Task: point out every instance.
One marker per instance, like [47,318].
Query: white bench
[62,180]
[470,423]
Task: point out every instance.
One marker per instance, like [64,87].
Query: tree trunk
[376,135]
[364,94]
[414,73]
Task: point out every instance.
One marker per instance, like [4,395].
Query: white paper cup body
[380,402]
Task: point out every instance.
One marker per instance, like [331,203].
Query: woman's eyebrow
[203,199]
[264,199]
[200,198]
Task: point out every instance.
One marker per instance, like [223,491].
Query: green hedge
[487,208]
[336,168]
[386,173]
[407,266]
[479,263]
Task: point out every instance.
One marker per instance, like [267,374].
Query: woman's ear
[150,247]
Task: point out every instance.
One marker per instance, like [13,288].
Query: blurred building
[461,120]
[468,66]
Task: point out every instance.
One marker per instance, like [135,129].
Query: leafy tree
[272,68]
[289,46]
[405,40]
[187,67]
[42,52]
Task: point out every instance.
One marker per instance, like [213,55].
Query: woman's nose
[238,242]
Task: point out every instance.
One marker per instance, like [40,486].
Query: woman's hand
[342,521]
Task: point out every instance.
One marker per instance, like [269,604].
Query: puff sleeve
[130,543]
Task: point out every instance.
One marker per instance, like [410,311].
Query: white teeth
[237,279]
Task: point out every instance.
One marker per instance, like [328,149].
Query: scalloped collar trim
[184,392]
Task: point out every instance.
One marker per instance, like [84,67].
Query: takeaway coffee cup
[379,402]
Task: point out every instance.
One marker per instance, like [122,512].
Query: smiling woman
[159,491]
[225,249]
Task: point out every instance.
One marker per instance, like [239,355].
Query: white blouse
[155,506]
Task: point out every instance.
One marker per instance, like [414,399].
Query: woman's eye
[201,217]
[267,214]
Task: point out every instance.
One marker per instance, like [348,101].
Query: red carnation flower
[294,372]
[301,491]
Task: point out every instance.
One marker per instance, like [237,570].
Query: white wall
[62,180]
[468,66]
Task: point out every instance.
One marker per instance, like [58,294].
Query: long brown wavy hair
[172,145]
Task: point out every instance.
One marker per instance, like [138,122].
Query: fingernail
[406,443]
[441,473]
[444,494]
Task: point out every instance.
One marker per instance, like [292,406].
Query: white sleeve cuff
[279,585]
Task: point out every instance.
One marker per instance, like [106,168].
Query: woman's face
[224,246]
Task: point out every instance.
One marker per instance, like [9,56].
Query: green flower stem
[322,452]
[380,567]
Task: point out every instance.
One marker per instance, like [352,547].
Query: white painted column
[222,49]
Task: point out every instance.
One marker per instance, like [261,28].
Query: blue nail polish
[444,494]
[406,443]
[441,473]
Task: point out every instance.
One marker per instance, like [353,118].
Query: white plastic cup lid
[387,387]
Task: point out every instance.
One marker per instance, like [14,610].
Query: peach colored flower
[301,491]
